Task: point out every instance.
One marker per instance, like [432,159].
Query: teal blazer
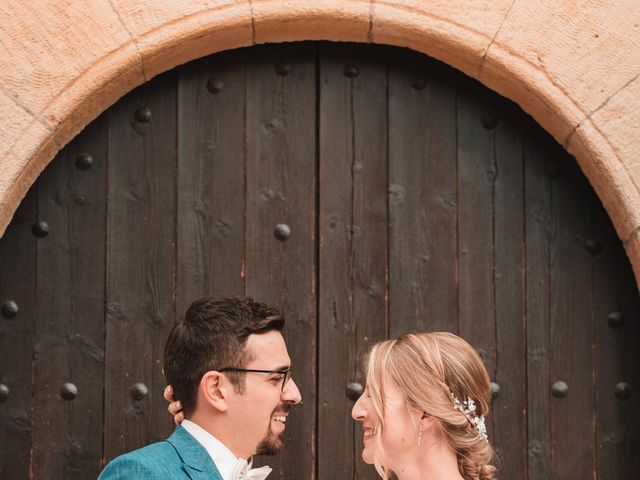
[178,457]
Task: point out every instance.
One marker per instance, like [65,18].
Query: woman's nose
[359,412]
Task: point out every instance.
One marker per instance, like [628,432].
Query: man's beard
[272,443]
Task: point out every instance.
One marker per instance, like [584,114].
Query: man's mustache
[284,407]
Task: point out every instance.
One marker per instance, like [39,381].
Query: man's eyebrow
[284,367]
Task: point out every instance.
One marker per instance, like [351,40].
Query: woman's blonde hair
[430,368]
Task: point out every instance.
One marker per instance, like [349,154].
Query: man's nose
[291,394]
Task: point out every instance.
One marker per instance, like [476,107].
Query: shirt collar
[224,458]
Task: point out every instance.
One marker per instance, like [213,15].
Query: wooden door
[367,191]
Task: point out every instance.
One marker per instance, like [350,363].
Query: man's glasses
[286,374]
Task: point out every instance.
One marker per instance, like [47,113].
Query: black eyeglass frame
[288,373]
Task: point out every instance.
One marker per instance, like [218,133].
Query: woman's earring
[424,415]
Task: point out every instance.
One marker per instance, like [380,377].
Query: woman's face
[400,435]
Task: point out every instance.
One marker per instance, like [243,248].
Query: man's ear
[213,390]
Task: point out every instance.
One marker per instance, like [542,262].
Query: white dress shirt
[224,458]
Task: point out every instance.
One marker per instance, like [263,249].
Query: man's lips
[280,418]
[281,413]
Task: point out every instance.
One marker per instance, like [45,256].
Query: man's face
[261,410]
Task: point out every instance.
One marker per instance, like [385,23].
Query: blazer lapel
[197,462]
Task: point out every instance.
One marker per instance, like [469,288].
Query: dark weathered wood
[615,292]
[537,150]
[477,168]
[451,232]
[17,284]
[69,327]
[571,325]
[509,407]
[211,178]
[422,197]
[140,263]
[281,189]
[353,245]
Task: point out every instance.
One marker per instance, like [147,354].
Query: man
[228,365]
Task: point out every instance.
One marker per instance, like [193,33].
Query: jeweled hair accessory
[468,408]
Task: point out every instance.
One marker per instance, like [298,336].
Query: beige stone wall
[573,65]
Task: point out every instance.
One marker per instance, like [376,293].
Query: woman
[423,409]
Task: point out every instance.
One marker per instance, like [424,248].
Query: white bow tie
[243,471]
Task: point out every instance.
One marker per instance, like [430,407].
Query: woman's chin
[367,457]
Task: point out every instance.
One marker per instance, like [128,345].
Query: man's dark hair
[212,335]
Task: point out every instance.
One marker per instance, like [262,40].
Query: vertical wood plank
[537,150]
[616,308]
[571,325]
[422,197]
[17,284]
[353,244]
[509,407]
[281,189]
[69,328]
[477,168]
[140,265]
[211,178]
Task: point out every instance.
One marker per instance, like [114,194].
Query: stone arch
[575,70]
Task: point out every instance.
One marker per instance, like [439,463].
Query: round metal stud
[351,71]
[419,83]
[495,390]
[214,85]
[489,121]
[9,309]
[143,115]
[138,391]
[560,389]
[4,392]
[40,229]
[553,171]
[623,391]
[69,391]
[594,247]
[615,319]
[354,390]
[84,161]
[282,232]
[282,68]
